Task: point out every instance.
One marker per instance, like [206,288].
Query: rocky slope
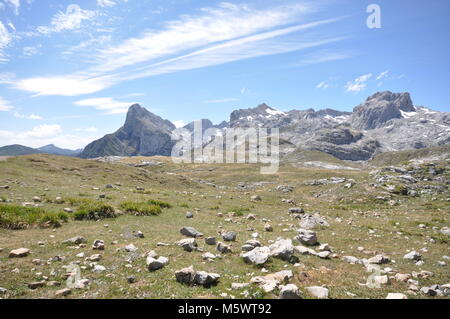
[143,133]
[386,121]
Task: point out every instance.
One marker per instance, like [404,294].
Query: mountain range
[16,150]
[384,122]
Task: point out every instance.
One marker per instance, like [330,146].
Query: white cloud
[218,35]
[179,123]
[382,75]
[31,50]
[15,4]
[358,84]
[323,85]
[107,104]
[69,20]
[226,100]
[28,117]
[5,105]
[105,3]
[323,56]
[44,131]
[5,40]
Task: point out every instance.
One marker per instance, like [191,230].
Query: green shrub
[19,217]
[94,211]
[141,209]
[240,211]
[159,203]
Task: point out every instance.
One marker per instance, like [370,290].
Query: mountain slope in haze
[143,133]
[52,149]
[17,150]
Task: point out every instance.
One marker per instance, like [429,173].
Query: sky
[69,70]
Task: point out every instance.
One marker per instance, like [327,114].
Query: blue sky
[70,69]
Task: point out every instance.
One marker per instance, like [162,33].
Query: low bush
[19,217]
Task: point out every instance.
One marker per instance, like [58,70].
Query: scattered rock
[19,253]
[393,295]
[229,236]
[36,284]
[189,276]
[289,291]
[222,248]
[379,260]
[63,292]
[318,292]
[189,215]
[256,198]
[188,244]
[190,232]
[98,245]
[130,248]
[271,281]
[210,240]
[282,249]
[155,264]
[306,237]
[413,255]
[296,210]
[268,228]
[257,256]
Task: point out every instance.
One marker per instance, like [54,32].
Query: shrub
[240,211]
[94,211]
[159,203]
[19,217]
[141,209]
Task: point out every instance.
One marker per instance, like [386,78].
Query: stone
[68,210]
[131,279]
[251,217]
[268,228]
[210,241]
[318,292]
[393,295]
[99,268]
[351,260]
[206,279]
[98,245]
[77,240]
[378,260]
[19,253]
[306,237]
[63,292]
[289,291]
[188,244]
[272,281]
[186,275]
[3,291]
[222,248]
[282,249]
[229,236]
[428,291]
[402,277]
[189,215]
[139,234]
[95,257]
[324,254]
[37,199]
[413,255]
[257,256]
[312,221]
[36,284]
[305,250]
[256,198]
[296,210]
[190,232]
[130,248]
[208,256]
[155,264]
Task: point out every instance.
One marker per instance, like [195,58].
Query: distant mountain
[52,149]
[385,122]
[143,133]
[16,150]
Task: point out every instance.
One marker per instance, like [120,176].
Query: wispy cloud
[106,3]
[323,56]
[15,4]
[382,75]
[358,84]
[28,117]
[107,104]
[217,35]
[5,40]
[5,105]
[69,20]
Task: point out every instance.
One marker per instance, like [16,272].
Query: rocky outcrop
[143,133]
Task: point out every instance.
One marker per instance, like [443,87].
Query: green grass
[18,217]
[240,211]
[159,203]
[141,209]
[94,211]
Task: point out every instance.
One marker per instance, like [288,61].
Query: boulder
[306,237]
[289,291]
[282,249]
[257,256]
[229,236]
[19,253]
[188,244]
[190,232]
[413,255]
[318,292]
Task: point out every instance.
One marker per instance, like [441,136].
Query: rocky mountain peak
[380,108]
[139,118]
